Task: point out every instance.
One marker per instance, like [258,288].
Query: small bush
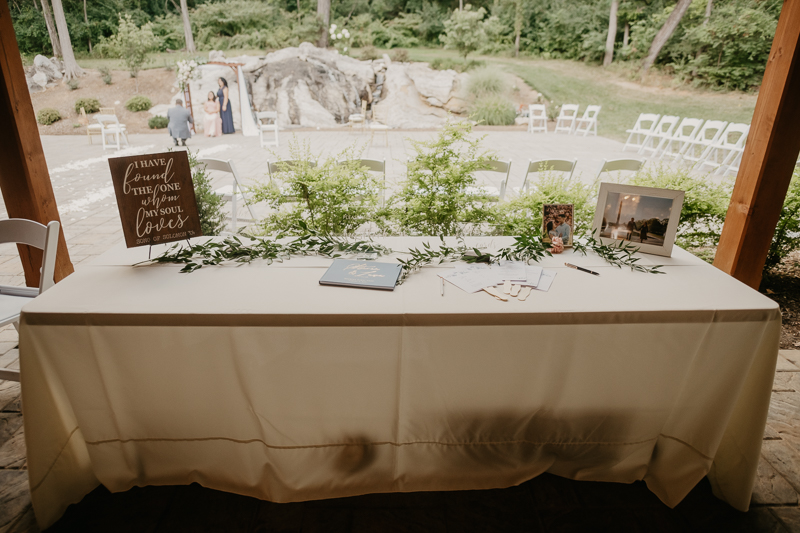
[73,84]
[90,105]
[400,55]
[493,111]
[158,122]
[455,64]
[786,238]
[48,116]
[369,53]
[209,203]
[105,72]
[486,82]
[138,103]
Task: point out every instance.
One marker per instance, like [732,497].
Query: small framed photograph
[643,216]
[558,220]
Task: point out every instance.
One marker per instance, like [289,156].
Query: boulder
[40,78]
[216,55]
[50,69]
[402,105]
[159,110]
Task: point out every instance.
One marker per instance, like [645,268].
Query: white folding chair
[566,118]
[548,165]
[497,194]
[110,128]
[358,119]
[644,126]
[267,122]
[616,165]
[660,135]
[287,165]
[232,192]
[12,299]
[685,132]
[588,122]
[372,165]
[91,129]
[537,118]
[694,150]
[725,149]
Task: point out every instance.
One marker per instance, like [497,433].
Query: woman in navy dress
[225,111]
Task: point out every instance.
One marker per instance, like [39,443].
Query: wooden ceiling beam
[768,160]
[24,178]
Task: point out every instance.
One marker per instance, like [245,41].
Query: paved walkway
[85,196]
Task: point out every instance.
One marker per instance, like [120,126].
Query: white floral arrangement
[340,38]
[187,70]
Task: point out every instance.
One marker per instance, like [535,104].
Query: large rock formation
[44,72]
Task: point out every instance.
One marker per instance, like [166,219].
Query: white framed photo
[645,217]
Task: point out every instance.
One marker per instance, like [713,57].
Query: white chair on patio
[267,122]
[565,122]
[358,119]
[537,118]
[232,192]
[685,132]
[660,135]
[111,131]
[91,129]
[12,299]
[588,122]
[372,165]
[728,145]
[547,165]
[618,165]
[286,165]
[645,125]
[496,194]
[694,150]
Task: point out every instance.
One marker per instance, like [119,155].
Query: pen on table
[582,269]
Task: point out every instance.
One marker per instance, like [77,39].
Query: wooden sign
[155,195]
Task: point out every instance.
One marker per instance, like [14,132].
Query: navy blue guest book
[362,274]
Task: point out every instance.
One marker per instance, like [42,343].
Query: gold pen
[442,286]
[576,267]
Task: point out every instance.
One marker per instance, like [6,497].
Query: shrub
[73,84]
[90,105]
[439,195]
[209,203]
[464,31]
[158,122]
[494,110]
[400,55]
[48,116]
[786,238]
[455,64]
[131,43]
[522,215]
[368,53]
[138,103]
[486,82]
[105,72]
[331,198]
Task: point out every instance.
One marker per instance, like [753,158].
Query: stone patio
[85,196]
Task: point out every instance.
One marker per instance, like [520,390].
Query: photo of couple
[558,220]
[636,218]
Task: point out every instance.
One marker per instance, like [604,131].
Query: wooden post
[24,179]
[768,160]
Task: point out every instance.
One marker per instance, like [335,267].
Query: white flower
[333,36]
[346,33]
[345,49]
[333,27]
[338,35]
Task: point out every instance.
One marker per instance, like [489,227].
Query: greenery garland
[525,248]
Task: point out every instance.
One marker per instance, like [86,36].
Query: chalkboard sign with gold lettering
[156,199]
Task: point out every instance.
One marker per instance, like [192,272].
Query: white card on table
[512,270]
[471,280]
[548,275]
[533,274]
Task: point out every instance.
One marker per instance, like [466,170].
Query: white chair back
[268,121]
[661,133]
[110,127]
[616,165]
[727,145]
[230,193]
[588,122]
[372,165]
[548,165]
[686,131]
[537,118]
[643,127]
[566,118]
[45,238]
[696,149]
[500,167]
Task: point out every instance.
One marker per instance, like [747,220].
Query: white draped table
[257,380]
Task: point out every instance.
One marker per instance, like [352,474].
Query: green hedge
[90,105]
[48,116]
[158,122]
[138,103]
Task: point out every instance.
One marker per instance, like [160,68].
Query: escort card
[155,196]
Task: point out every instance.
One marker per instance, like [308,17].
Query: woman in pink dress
[212,123]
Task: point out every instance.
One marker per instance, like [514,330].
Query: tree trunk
[709,7]
[324,16]
[461,5]
[187,27]
[517,25]
[626,35]
[665,33]
[86,19]
[71,68]
[612,33]
[51,29]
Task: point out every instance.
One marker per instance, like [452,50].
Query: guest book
[362,274]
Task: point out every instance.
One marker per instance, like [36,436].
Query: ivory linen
[257,380]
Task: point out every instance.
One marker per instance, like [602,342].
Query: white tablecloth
[259,381]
